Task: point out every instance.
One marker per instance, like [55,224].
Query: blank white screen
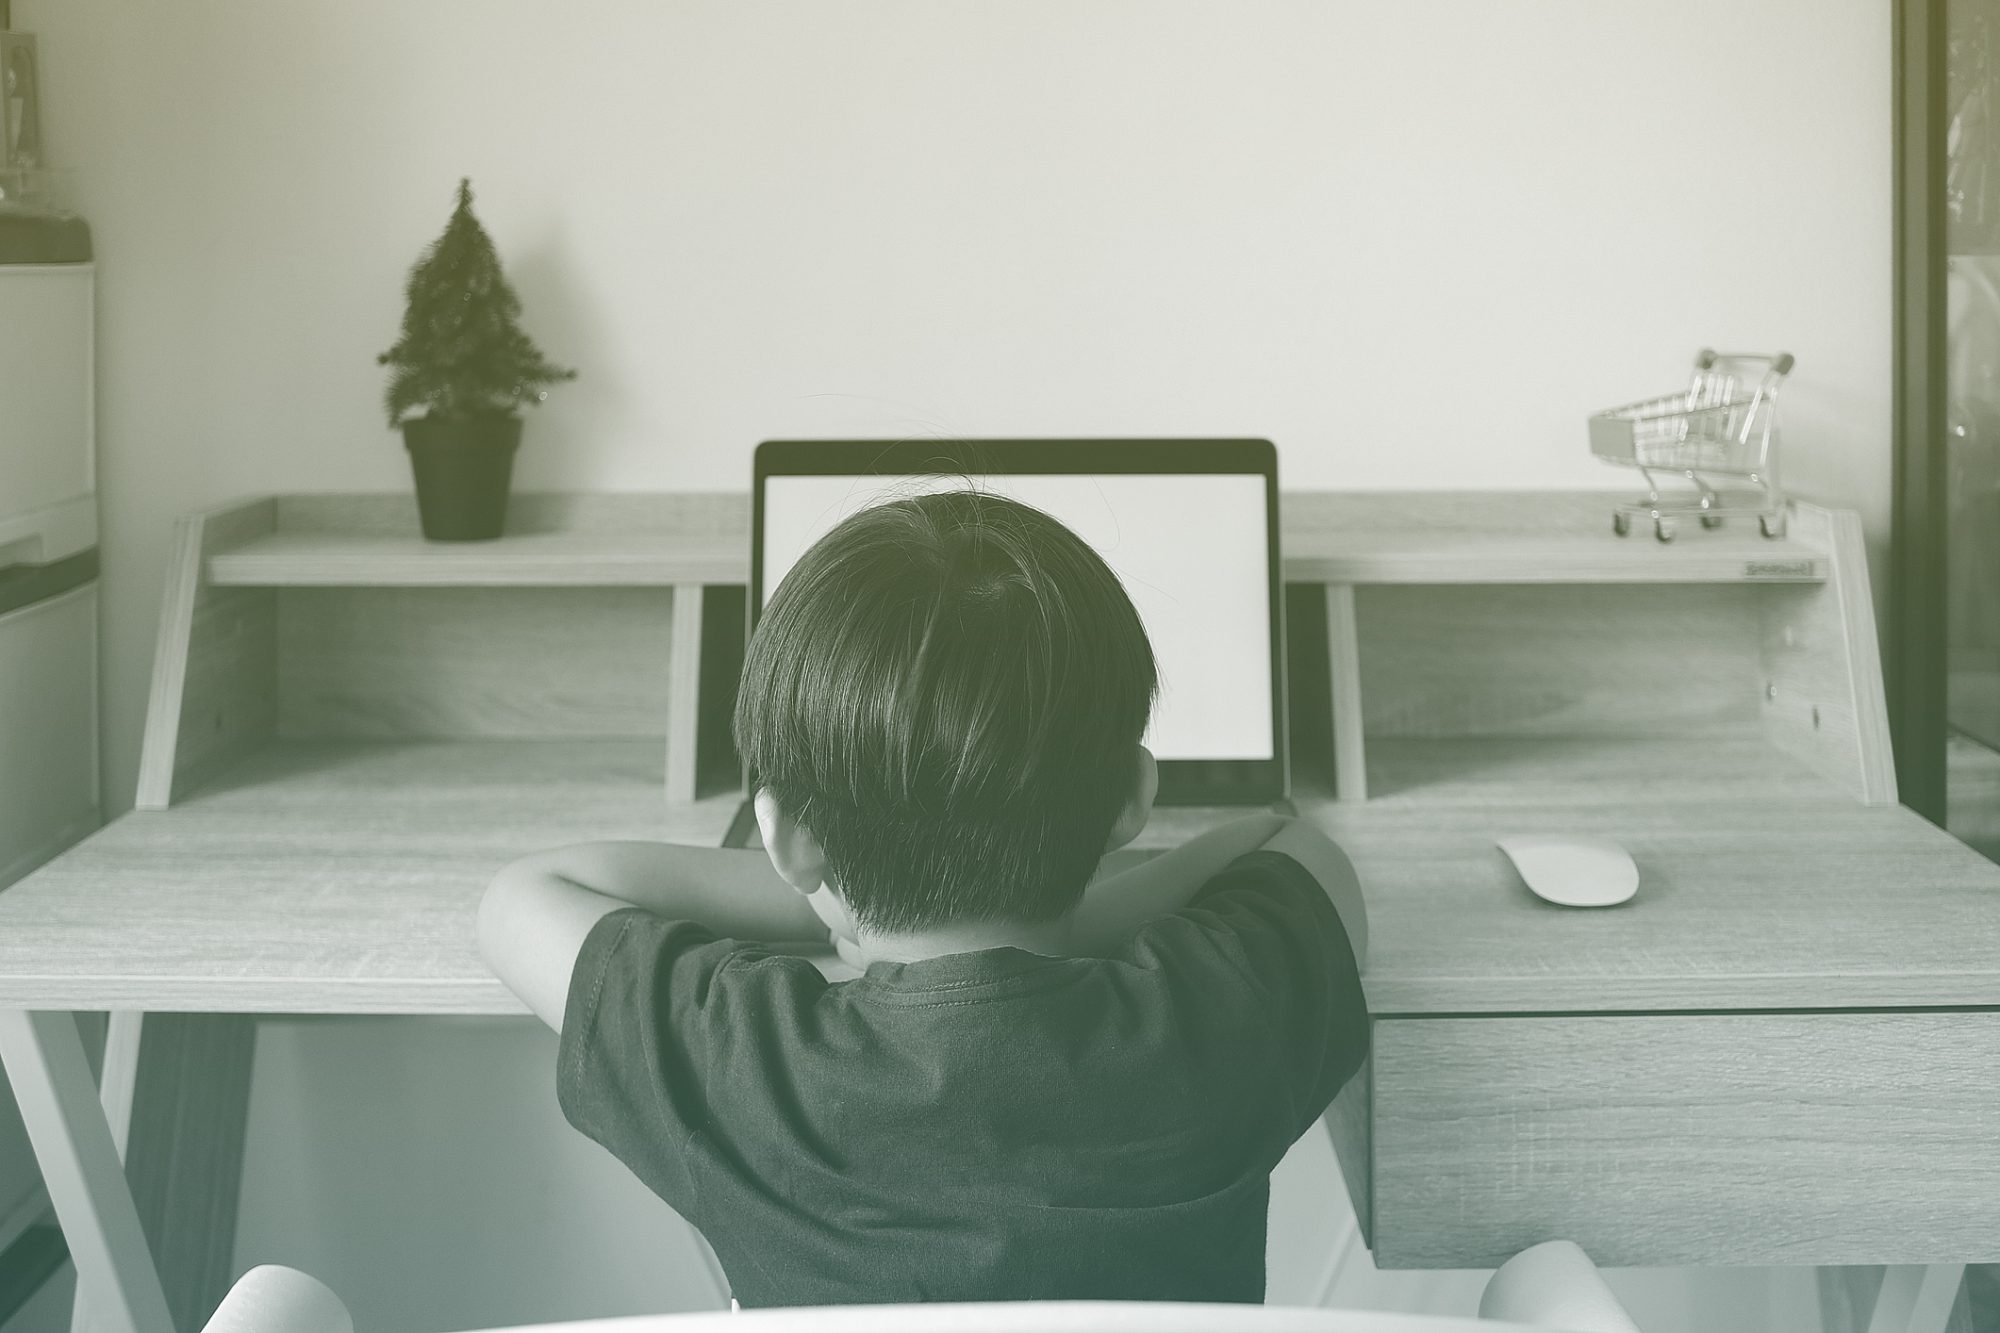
[1191,549]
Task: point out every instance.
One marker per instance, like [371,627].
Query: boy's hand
[538,910]
[1114,907]
[1119,904]
[1323,859]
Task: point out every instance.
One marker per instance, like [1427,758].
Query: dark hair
[948,692]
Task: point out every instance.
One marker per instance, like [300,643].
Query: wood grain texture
[1542,660]
[1516,537]
[1329,537]
[1823,698]
[212,696]
[558,540]
[323,878]
[1761,885]
[684,693]
[390,663]
[341,878]
[1710,1139]
[184,1158]
[1343,652]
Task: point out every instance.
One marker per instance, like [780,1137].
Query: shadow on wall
[564,444]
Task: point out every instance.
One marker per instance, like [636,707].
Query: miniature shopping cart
[1723,425]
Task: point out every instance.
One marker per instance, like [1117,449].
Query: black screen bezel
[1182,781]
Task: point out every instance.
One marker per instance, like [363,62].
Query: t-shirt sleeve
[1270,924]
[628,1063]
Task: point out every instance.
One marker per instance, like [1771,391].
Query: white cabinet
[48,609]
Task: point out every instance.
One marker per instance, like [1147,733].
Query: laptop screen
[1192,544]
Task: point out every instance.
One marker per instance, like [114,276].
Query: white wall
[1415,243]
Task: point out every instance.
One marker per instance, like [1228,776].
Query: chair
[1550,1287]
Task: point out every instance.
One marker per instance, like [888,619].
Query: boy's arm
[538,910]
[1113,908]
[1323,859]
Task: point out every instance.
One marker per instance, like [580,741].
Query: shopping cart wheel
[1711,520]
[1663,528]
[1771,525]
[1621,523]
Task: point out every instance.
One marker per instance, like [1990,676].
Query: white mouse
[1574,872]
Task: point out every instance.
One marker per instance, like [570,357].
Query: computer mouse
[1574,872]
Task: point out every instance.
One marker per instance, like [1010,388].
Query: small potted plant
[462,367]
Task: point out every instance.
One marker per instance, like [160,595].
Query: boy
[1031,1091]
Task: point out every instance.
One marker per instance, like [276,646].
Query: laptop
[1189,526]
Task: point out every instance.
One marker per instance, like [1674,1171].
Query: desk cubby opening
[1424,630]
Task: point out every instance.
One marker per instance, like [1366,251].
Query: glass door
[1971,463]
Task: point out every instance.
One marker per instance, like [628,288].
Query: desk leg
[44,1058]
[117,1081]
[1916,1298]
[683,692]
[1343,660]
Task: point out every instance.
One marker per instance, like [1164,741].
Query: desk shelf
[552,541]
[662,540]
[327,615]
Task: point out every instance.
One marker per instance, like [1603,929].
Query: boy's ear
[793,850]
[1139,805]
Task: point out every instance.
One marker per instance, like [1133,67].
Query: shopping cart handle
[1783,365]
[1704,359]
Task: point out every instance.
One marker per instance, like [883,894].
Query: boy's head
[945,698]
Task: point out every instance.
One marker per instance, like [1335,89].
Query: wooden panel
[212,696]
[684,692]
[1397,537]
[1767,890]
[324,878]
[1631,661]
[1343,653]
[184,1157]
[1833,1138]
[559,540]
[1517,537]
[500,662]
[724,611]
[603,514]
[1823,699]
[342,878]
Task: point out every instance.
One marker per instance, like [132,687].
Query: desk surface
[342,878]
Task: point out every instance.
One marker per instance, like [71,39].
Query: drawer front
[1798,1138]
[48,729]
[47,451]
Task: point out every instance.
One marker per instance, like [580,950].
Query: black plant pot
[463,466]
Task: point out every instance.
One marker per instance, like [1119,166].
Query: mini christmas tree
[461,352]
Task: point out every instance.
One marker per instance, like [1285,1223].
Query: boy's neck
[1043,937]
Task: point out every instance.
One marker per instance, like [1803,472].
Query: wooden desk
[1781,1052]
[1778,1053]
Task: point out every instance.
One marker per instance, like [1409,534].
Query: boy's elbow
[501,908]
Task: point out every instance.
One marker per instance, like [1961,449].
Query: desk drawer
[1795,1138]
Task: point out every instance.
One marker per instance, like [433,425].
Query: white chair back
[1552,1288]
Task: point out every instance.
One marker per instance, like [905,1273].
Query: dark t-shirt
[995,1125]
